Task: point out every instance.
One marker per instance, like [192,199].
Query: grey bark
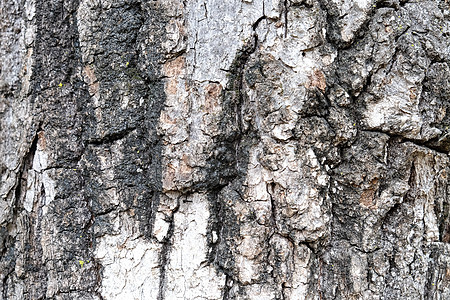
[254,149]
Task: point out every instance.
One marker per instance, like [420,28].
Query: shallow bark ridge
[242,149]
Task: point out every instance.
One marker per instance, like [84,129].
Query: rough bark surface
[238,149]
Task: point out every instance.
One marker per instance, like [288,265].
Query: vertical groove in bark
[165,255]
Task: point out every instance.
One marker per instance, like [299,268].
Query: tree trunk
[224,149]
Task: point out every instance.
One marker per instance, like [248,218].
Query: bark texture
[238,149]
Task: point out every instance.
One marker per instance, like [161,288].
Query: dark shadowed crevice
[227,287]
[8,252]
[421,143]
[444,222]
[23,174]
[227,168]
[270,187]
[219,231]
[112,137]
[285,13]
[164,257]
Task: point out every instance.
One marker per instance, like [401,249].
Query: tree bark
[239,149]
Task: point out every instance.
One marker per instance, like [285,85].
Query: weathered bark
[217,149]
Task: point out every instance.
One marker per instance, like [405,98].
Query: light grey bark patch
[12,48]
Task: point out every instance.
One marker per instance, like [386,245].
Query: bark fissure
[164,256]
[418,142]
